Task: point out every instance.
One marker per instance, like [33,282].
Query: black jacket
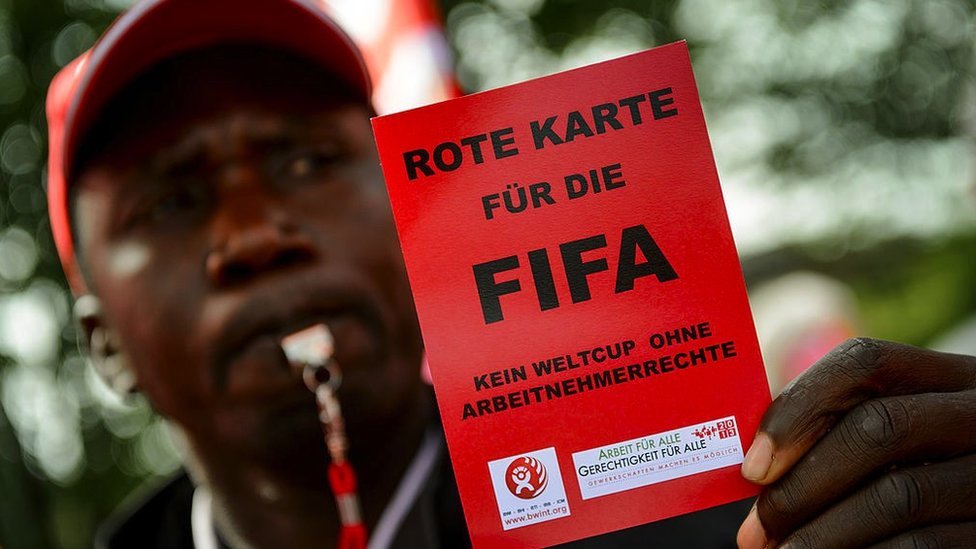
[162,521]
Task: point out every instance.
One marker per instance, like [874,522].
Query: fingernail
[756,464]
[751,534]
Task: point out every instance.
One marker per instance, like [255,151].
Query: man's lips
[260,372]
[259,368]
[250,363]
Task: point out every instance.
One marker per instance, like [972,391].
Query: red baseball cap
[155,30]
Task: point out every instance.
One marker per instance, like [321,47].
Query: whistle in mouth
[309,351]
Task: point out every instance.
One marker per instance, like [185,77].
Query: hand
[874,446]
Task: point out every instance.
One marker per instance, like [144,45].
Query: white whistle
[312,346]
[309,351]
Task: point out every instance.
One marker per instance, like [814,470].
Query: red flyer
[582,303]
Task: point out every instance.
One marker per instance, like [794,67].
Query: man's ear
[107,357]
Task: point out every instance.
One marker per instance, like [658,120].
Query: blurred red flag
[404,47]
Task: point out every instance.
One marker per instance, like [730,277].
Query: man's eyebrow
[180,158]
[197,148]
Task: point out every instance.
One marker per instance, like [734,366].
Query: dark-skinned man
[215,187]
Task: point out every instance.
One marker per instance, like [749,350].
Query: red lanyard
[342,478]
[312,348]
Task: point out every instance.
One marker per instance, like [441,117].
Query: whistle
[309,352]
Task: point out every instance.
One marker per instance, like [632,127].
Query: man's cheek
[155,302]
[128,259]
[149,281]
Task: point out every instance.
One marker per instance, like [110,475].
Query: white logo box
[658,457]
[549,504]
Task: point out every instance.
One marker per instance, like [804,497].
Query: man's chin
[286,441]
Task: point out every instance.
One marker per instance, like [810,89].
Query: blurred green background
[842,132]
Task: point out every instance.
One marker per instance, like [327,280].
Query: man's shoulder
[156,517]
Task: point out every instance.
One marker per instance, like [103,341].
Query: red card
[582,304]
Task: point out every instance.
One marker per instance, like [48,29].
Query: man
[214,187]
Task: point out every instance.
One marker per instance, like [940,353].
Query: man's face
[234,198]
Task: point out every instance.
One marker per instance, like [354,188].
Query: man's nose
[253,234]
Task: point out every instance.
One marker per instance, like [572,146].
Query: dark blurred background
[843,132]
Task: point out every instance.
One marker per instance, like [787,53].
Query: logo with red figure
[526,477]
